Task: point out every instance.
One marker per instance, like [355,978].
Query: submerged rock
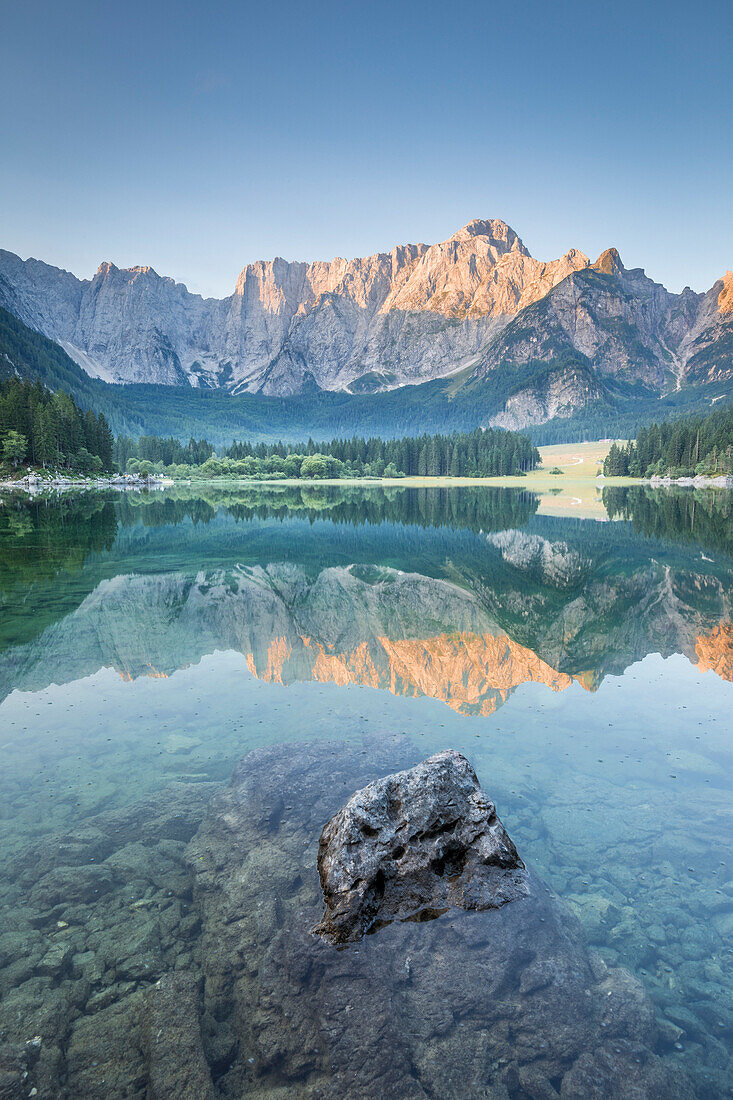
[412,845]
[101,912]
[503,1002]
[171,1035]
[195,972]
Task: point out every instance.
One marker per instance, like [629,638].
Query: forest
[480,453]
[40,428]
[680,448]
[158,452]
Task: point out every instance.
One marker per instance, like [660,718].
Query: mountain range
[562,335]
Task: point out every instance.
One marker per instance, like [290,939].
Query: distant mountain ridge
[466,308]
[416,313]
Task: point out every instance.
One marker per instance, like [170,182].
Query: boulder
[412,845]
[500,1001]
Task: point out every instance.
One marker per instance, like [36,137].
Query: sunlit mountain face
[459,601]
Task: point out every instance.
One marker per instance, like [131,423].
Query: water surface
[149,641]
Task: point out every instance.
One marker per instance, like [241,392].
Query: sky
[196,138]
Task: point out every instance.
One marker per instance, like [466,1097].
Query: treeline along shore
[481,453]
[47,432]
[41,429]
[696,446]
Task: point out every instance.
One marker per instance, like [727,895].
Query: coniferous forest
[40,428]
[681,448]
[480,453]
[44,429]
[489,452]
[158,451]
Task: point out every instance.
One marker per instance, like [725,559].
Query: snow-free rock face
[409,315]
[477,300]
[708,346]
[624,324]
[558,394]
[725,295]
[412,845]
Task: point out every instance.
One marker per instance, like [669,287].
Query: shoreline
[34,485]
[536,481]
[720,481]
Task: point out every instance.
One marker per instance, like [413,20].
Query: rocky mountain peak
[129,273]
[609,262]
[498,232]
[417,313]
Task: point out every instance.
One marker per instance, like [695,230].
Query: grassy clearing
[576,459]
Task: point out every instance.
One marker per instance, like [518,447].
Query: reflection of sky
[78,748]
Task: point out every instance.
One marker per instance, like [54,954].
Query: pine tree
[15,446]
[105,442]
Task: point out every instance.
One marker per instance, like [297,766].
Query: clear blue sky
[196,138]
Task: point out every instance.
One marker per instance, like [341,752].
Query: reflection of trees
[480,509]
[39,541]
[699,516]
[41,537]
[164,509]
[583,618]
[45,543]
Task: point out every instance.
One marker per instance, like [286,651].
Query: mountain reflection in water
[149,641]
[460,596]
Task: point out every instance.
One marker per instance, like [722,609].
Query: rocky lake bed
[167,948]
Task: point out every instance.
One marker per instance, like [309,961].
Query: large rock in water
[412,845]
[502,1002]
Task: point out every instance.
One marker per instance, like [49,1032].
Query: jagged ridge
[469,306]
[416,313]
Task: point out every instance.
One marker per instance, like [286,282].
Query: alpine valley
[471,331]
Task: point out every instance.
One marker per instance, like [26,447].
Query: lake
[149,641]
